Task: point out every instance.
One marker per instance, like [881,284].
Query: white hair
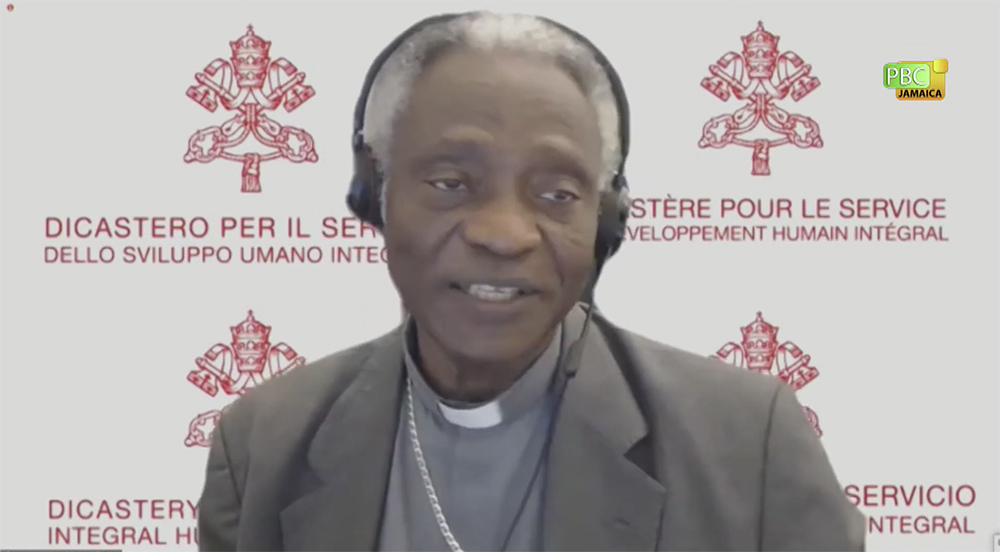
[489,31]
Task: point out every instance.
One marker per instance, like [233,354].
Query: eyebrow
[463,138]
[456,145]
[470,143]
[562,147]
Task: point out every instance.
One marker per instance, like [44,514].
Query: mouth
[495,291]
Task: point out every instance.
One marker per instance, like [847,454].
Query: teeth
[487,292]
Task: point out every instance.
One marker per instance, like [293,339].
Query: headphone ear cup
[358,197]
[612,220]
[374,217]
[364,194]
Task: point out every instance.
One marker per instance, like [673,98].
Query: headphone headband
[617,89]
[357,138]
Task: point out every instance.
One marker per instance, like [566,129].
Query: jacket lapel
[351,455]
[596,497]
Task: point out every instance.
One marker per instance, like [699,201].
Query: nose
[504,226]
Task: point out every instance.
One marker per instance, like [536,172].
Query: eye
[447,184]
[560,196]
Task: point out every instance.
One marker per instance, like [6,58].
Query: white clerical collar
[476,417]
[524,395]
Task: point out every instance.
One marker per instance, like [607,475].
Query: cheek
[397,257]
[403,250]
[573,248]
[413,243]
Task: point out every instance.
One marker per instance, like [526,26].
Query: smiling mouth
[494,292]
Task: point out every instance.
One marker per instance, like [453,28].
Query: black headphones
[364,196]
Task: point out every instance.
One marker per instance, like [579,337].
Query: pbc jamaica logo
[249,85]
[760,351]
[248,360]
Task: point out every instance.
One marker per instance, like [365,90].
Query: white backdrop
[104,363]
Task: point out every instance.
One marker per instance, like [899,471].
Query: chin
[490,345]
[489,349]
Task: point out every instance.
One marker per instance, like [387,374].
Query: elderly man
[490,151]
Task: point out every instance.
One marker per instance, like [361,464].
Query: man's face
[493,194]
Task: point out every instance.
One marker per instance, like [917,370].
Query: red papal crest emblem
[249,85]
[759,77]
[760,351]
[246,362]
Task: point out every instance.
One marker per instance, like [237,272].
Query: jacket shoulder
[706,375]
[736,444]
[701,394]
[307,391]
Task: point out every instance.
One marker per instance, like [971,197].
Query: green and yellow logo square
[916,80]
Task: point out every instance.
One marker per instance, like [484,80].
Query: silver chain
[418,452]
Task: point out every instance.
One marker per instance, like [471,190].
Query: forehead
[505,93]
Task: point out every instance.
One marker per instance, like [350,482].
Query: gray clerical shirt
[485,462]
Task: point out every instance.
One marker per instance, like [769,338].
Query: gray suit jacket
[665,451]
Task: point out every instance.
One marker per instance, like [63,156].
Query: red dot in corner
[10,7]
